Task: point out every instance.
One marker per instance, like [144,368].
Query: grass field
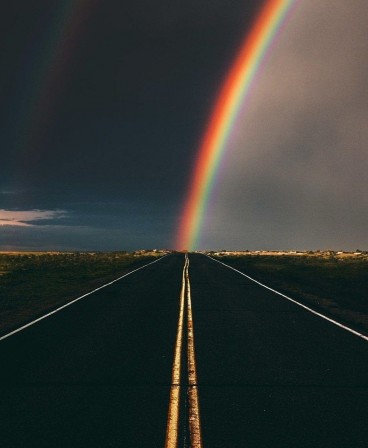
[32,283]
[334,282]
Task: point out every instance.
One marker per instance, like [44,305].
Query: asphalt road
[99,373]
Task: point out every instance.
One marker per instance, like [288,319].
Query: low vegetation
[335,282]
[35,282]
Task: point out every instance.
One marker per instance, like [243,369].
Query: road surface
[184,354]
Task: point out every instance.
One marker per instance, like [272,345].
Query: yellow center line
[172,430]
[194,418]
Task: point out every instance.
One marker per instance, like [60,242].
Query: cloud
[29,218]
[86,226]
[295,172]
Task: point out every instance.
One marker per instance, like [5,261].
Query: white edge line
[76,300]
[356,333]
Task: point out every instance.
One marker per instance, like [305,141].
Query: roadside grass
[336,284]
[33,283]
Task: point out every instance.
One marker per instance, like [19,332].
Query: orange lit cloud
[28,218]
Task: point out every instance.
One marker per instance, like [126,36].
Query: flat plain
[33,283]
[334,282]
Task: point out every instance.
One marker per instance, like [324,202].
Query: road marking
[172,430]
[350,330]
[194,418]
[76,300]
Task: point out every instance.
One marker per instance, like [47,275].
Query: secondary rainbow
[43,83]
[232,95]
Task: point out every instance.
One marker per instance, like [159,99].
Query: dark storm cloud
[296,174]
[97,226]
[126,115]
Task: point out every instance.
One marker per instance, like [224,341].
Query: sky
[103,105]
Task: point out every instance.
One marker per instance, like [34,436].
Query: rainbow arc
[233,93]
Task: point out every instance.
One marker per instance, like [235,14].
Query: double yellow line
[172,430]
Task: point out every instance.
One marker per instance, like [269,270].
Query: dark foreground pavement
[98,373]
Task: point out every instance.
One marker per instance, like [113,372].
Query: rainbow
[44,74]
[233,93]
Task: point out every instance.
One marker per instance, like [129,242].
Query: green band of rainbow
[232,95]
